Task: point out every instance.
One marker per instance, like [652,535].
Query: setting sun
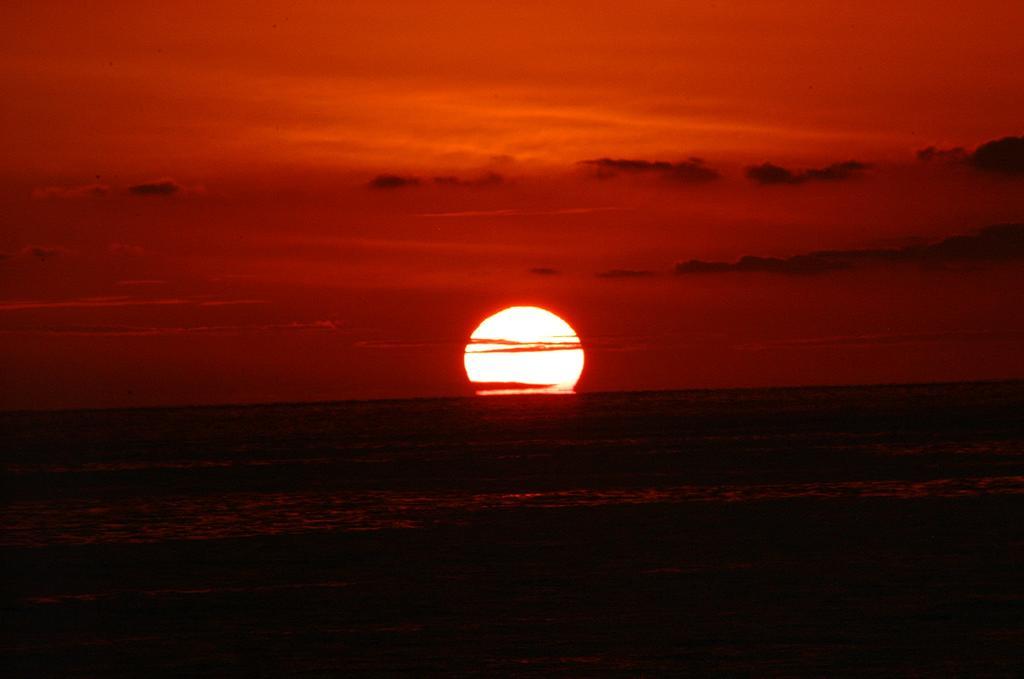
[524,349]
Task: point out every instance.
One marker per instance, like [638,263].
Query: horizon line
[499,397]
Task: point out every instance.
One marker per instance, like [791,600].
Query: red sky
[302,201]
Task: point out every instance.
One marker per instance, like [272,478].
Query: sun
[524,349]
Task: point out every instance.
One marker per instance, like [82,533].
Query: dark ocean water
[875,530]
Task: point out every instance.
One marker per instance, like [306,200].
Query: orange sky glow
[204,203]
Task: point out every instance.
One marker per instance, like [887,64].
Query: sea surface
[782,532]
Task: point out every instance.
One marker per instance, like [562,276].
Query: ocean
[782,532]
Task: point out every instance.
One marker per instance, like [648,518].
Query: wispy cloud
[625,273]
[39,253]
[389,344]
[95,190]
[116,301]
[402,245]
[492,346]
[152,188]
[876,339]
[520,212]
[956,154]
[484,180]
[141,282]
[232,302]
[151,331]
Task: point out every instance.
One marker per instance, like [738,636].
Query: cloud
[544,271]
[625,273]
[799,264]
[1005,156]
[142,281]
[876,339]
[519,212]
[402,245]
[393,181]
[71,192]
[837,171]
[41,253]
[37,252]
[115,301]
[998,243]
[1000,156]
[691,171]
[85,303]
[159,187]
[388,344]
[507,346]
[933,154]
[150,331]
[768,173]
[231,302]
[156,187]
[489,179]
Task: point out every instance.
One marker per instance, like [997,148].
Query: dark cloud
[393,181]
[544,271]
[999,243]
[489,179]
[36,252]
[768,173]
[41,253]
[691,171]
[1001,156]
[162,187]
[1005,156]
[836,171]
[625,273]
[933,154]
[386,181]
